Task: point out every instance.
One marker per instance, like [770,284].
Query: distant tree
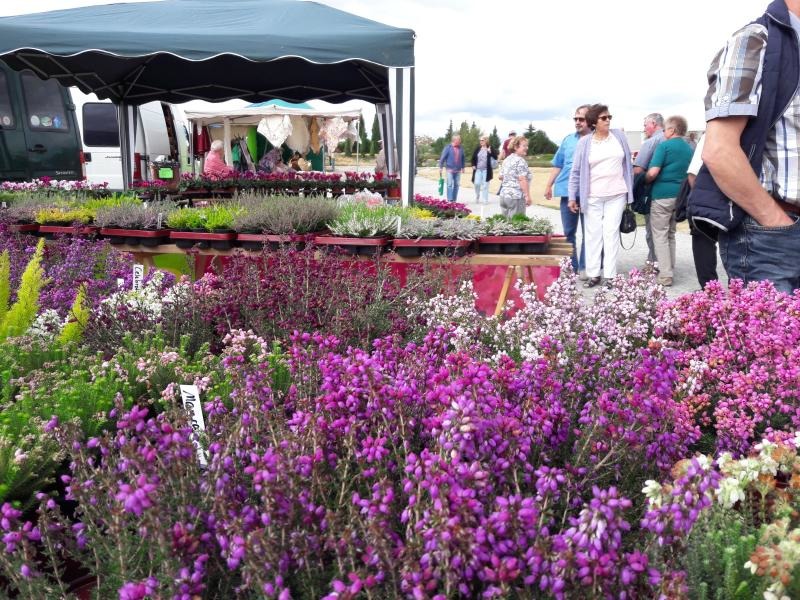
[348,147]
[363,137]
[538,142]
[494,139]
[376,135]
[470,138]
[448,136]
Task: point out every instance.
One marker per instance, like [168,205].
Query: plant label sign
[138,276]
[190,397]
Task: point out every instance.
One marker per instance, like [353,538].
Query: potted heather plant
[135,223]
[69,219]
[282,219]
[362,229]
[208,227]
[21,209]
[440,208]
[453,237]
[516,235]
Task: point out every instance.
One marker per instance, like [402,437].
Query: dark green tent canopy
[179,50]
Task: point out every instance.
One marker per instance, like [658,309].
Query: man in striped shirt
[765,245]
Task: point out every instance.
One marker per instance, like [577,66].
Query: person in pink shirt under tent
[214,165]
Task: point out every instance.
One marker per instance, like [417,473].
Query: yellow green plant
[19,317]
[5,283]
[66,215]
[78,317]
[420,213]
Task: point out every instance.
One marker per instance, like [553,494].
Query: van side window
[6,112]
[44,103]
[100,125]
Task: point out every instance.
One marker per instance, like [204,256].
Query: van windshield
[44,103]
[6,113]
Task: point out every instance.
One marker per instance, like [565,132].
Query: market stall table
[493,274]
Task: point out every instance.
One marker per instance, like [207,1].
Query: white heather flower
[652,491]
[730,491]
[724,461]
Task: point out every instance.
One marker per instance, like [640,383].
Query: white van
[162,131]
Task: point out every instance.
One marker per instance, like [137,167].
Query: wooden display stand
[541,269]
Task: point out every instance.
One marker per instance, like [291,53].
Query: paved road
[685,279]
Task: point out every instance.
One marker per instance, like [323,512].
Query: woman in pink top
[601,177]
[215,162]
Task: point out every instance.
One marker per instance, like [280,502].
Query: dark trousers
[704,252]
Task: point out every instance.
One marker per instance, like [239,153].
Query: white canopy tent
[252,116]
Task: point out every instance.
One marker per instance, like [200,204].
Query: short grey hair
[656,118]
[217,145]
[581,107]
[679,123]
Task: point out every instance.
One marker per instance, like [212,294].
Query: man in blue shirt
[654,135]
[453,160]
[559,179]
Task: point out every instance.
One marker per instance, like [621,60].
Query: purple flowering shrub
[68,262]
[738,360]
[405,471]
[277,293]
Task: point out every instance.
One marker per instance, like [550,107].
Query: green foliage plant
[20,316]
[57,215]
[185,219]
[5,283]
[79,316]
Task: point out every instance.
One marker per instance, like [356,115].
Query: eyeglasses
[605,117]
[579,119]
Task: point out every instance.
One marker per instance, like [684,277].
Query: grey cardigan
[581,173]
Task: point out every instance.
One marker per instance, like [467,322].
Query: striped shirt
[735,90]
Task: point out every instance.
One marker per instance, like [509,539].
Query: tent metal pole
[127,141]
[226,129]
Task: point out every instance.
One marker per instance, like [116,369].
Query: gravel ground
[685,279]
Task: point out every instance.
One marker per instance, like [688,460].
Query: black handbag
[628,222]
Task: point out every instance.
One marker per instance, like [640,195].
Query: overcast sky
[507,63]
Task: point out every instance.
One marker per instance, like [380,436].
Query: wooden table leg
[501,300]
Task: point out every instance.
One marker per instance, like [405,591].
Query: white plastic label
[190,397]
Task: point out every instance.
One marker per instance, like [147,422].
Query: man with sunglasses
[654,134]
[749,184]
[559,182]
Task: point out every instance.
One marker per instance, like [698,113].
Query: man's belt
[792,208]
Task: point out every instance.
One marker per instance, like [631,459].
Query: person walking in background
[666,173]
[704,237]
[602,178]
[749,184]
[558,184]
[452,159]
[505,151]
[482,172]
[654,135]
[515,195]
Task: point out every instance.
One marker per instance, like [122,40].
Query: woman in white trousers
[600,184]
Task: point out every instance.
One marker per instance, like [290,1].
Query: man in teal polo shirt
[557,185]
[666,171]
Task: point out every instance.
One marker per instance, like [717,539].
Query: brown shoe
[592,281]
[665,281]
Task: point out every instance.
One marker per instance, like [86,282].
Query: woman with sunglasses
[602,178]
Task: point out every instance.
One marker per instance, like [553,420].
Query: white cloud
[513,62]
